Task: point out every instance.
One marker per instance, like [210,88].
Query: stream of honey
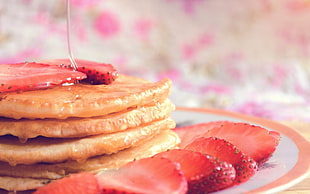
[71,57]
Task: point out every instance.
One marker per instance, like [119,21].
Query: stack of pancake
[48,134]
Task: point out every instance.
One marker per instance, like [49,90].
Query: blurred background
[247,56]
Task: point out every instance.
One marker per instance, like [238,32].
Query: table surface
[303,129]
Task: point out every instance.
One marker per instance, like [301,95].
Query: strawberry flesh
[191,132]
[84,182]
[32,76]
[255,141]
[204,173]
[148,175]
[97,73]
[244,165]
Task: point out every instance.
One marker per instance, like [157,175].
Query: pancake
[83,100]
[24,177]
[51,133]
[53,150]
[81,127]
[21,184]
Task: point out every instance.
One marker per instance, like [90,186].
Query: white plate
[288,166]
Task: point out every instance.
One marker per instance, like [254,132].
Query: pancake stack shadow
[49,134]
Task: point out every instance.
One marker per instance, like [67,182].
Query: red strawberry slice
[276,135]
[97,73]
[244,165]
[148,175]
[255,141]
[204,173]
[190,133]
[33,76]
[84,182]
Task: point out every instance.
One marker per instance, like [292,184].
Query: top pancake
[83,100]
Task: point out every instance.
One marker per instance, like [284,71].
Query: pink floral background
[246,56]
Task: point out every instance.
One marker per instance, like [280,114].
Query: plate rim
[300,170]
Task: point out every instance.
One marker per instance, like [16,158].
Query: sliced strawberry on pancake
[244,165]
[84,182]
[148,175]
[97,73]
[33,76]
[203,172]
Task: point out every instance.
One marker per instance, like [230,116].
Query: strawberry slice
[191,132]
[276,135]
[244,165]
[255,141]
[77,183]
[148,175]
[97,73]
[33,76]
[204,173]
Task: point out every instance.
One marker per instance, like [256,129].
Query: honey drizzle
[71,57]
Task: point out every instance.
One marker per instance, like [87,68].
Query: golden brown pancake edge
[83,100]
[82,127]
[24,177]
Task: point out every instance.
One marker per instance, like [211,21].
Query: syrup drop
[81,160]
[12,162]
[22,139]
